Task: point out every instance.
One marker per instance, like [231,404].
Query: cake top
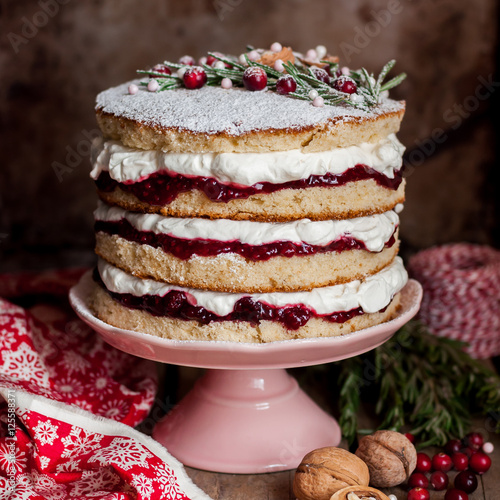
[261,101]
[214,110]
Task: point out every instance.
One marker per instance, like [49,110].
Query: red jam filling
[184,249]
[161,188]
[175,304]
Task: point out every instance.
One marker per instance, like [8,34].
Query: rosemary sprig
[423,382]
[368,89]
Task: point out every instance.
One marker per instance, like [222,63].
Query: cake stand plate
[246,414]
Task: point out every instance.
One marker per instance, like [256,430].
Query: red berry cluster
[463,455]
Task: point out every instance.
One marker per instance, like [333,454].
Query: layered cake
[249,199]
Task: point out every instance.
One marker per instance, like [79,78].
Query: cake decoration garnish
[316,76]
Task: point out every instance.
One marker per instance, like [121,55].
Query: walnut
[390,456]
[324,471]
[269,57]
[359,493]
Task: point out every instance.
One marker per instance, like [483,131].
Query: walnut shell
[362,492]
[324,471]
[269,57]
[390,456]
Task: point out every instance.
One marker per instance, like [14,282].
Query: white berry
[321,51]
[219,65]
[181,71]
[384,94]
[253,55]
[356,98]
[393,497]
[313,94]
[345,70]
[153,85]
[276,47]
[488,447]
[133,89]
[278,65]
[318,102]
[311,55]
[226,83]
[399,208]
[242,59]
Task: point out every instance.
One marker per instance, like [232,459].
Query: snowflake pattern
[72,361]
[114,409]
[72,465]
[70,387]
[143,484]
[12,458]
[44,462]
[79,442]
[45,432]
[168,481]
[24,364]
[101,480]
[124,452]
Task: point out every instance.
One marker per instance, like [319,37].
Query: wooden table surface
[278,486]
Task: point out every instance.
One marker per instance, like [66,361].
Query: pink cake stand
[246,414]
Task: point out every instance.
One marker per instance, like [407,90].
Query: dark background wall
[56,55]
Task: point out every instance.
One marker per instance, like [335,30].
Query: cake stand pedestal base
[246,421]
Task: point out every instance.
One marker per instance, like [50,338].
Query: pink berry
[466,481]
[211,60]
[453,446]
[133,89]
[455,494]
[460,461]
[474,440]
[194,77]
[418,480]
[488,447]
[278,65]
[424,463]
[318,102]
[345,84]
[286,84]
[439,480]
[418,494]
[254,78]
[410,437]
[253,55]
[153,85]
[187,60]
[480,462]
[442,462]
[321,75]
[276,47]
[161,68]
[311,55]
[226,83]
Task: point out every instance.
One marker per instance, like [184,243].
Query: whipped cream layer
[372,294]
[128,165]
[374,230]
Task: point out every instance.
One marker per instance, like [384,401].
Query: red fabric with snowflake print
[68,402]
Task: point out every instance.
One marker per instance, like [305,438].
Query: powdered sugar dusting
[213,110]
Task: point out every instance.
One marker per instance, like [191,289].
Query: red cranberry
[455,494]
[338,73]
[211,60]
[161,68]
[460,461]
[418,494]
[466,481]
[453,446]
[439,480]
[474,440]
[194,78]
[480,462]
[285,85]
[424,463]
[321,74]
[418,480]
[345,84]
[441,462]
[254,78]
[187,60]
[468,451]
[410,437]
